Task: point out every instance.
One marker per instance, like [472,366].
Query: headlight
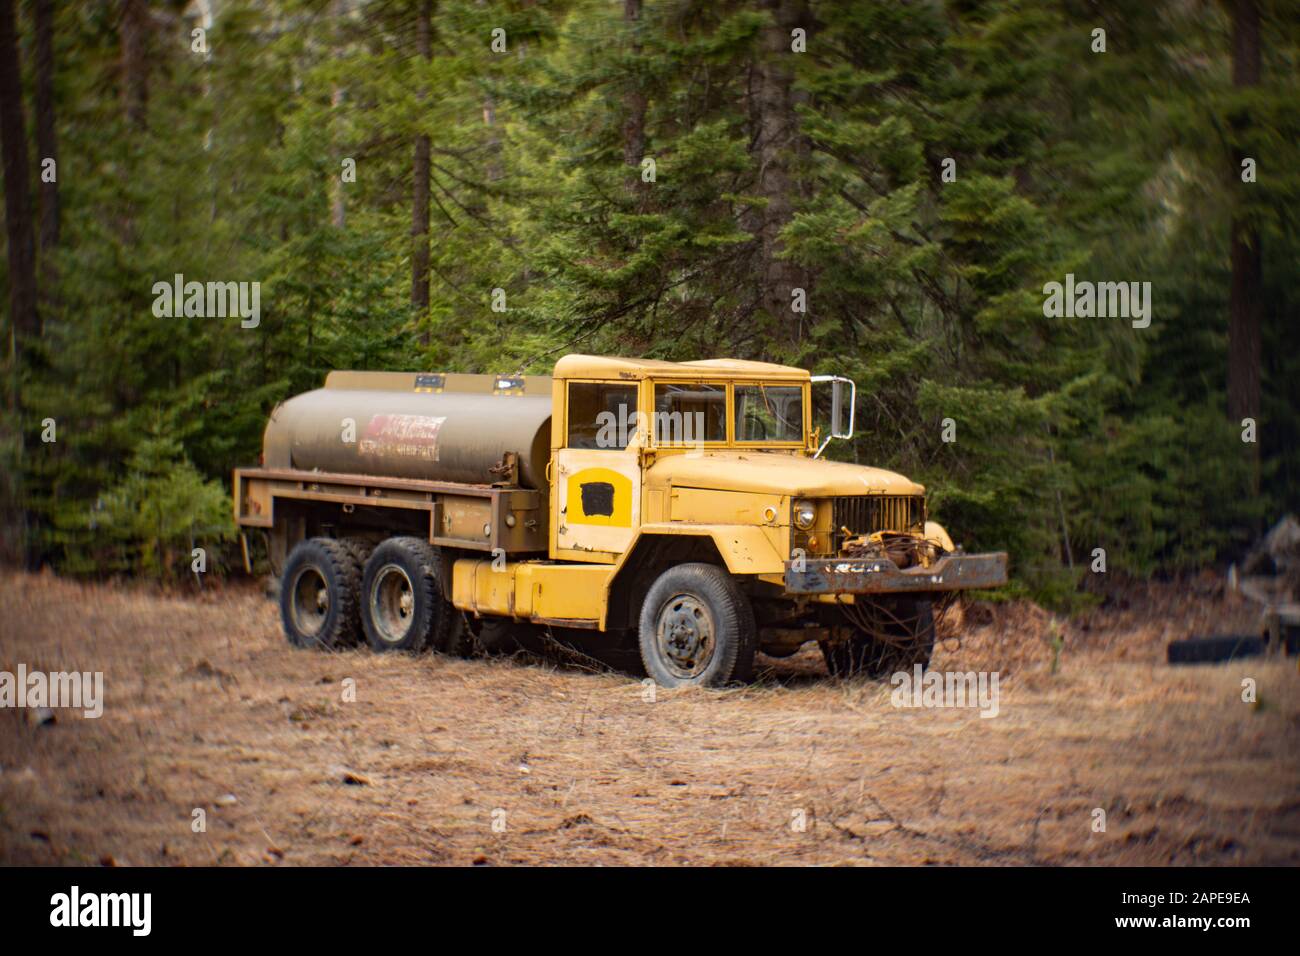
[805,513]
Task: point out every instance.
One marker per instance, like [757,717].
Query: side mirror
[844,399]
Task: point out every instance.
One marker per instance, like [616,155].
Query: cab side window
[601,414]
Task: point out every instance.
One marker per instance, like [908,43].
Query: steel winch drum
[437,427]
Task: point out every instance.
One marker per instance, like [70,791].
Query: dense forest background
[657,178]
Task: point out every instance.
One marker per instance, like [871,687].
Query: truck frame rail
[476,517]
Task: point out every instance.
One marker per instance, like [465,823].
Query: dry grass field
[207,708]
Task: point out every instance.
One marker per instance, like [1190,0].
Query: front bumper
[953,572]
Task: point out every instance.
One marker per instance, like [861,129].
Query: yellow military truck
[684,507]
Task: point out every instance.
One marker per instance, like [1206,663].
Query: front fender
[935,532]
[746,549]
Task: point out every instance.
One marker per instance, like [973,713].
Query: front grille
[867,514]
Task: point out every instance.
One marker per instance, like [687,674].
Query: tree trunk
[23,321]
[776,146]
[47,148]
[133,39]
[634,99]
[135,62]
[338,208]
[420,186]
[1244,324]
[47,144]
[18,213]
[1247,270]
[495,172]
[1245,308]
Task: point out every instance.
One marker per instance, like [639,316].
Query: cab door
[597,473]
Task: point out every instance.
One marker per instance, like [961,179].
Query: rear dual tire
[403,607]
[335,591]
[318,595]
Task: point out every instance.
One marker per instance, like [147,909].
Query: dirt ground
[521,761]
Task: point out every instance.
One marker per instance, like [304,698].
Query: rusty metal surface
[430,436]
[955,572]
[309,478]
[473,516]
[439,382]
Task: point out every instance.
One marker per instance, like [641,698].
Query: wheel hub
[310,603]
[685,635]
[392,600]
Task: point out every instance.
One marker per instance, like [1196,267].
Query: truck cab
[683,507]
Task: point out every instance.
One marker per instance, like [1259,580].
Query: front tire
[403,607]
[697,628]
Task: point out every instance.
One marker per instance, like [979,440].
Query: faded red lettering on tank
[403,436]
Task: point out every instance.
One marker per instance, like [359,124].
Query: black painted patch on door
[598,498]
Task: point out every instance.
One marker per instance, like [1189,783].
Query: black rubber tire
[469,636]
[733,633]
[473,636]
[411,566]
[863,655]
[335,570]
[460,637]
[360,548]
[1215,650]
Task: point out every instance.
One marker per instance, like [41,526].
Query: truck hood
[781,474]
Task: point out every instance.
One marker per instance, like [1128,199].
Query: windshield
[772,413]
[691,413]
